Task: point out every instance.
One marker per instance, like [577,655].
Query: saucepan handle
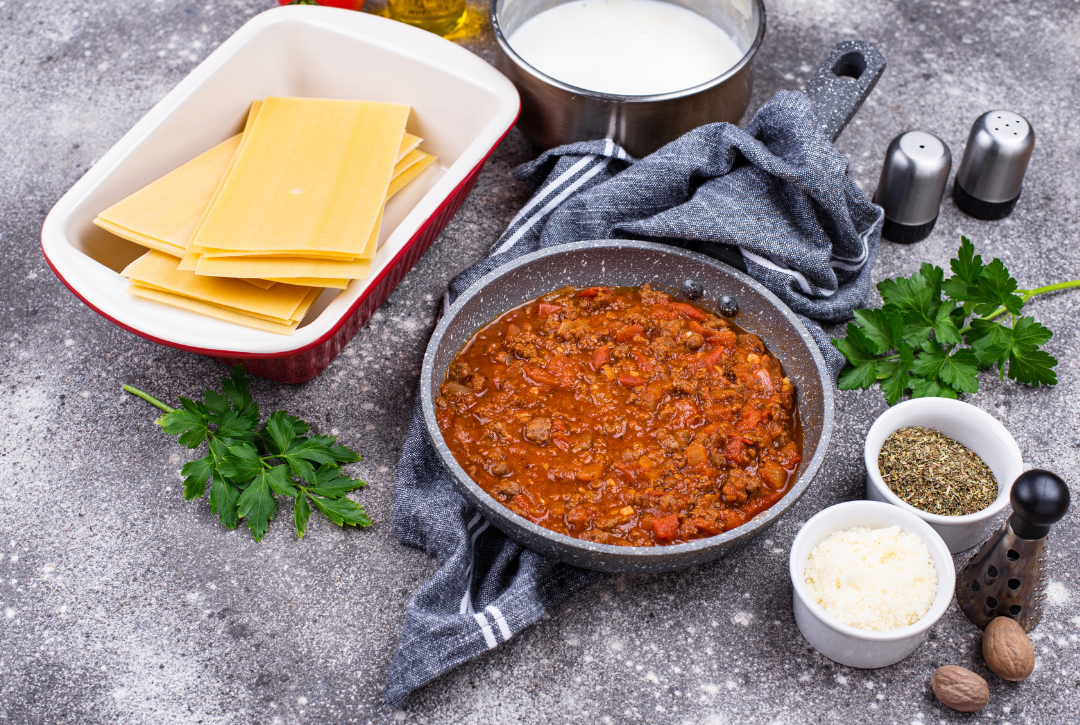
[843,82]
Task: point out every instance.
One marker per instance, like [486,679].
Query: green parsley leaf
[966,270]
[1029,335]
[280,483]
[1034,367]
[894,373]
[278,433]
[931,388]
[301,514]
[247,466]
[917,299]
[343,454]
[257,505]
[190,426]
[994,289]
[238,392]
[883,328]
[951,350]
[860,352]
[945,330]
[958,371]
[303,452]
[332,483]
[342,511]
[1018,346]
[223,499]
[196,473]
[216,402]
[241,463]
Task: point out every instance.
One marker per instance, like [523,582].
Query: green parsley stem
[148,398]
[1029,293]
[1026,294]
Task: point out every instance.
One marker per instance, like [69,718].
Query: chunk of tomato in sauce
[628,333]
[690,311]
[539,376]
[666,528]
[600,357]
[547,310]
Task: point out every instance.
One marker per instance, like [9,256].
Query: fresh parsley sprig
[935,346]
[246,466]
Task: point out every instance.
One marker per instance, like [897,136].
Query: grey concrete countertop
[122,603]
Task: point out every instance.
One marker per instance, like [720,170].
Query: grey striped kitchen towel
[773,200]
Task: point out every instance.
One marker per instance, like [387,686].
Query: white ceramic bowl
[966,424]
[841,642]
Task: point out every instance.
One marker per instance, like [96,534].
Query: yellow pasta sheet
[205,308]
[311,175]
[160,270]
[140,239]
[409,174]
[407,169]
[190,256]
[315,282]
[296,316]
[278,267]
[408,144]
[165,214]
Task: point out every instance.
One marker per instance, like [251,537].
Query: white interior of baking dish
[461,107]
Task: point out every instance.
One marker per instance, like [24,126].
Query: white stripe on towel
[500,620]
[807,288]
[547,208]
[489,636]
[466,599]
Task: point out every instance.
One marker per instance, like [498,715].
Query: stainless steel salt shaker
[992,169]
[912,182]
[1005,578]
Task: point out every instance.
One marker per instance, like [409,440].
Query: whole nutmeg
[1007,649]
[960,689]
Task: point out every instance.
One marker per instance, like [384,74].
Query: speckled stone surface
[122,603]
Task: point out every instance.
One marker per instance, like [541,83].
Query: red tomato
[600,357]
[545,310]
[690,311]
[666,528]
[628,333]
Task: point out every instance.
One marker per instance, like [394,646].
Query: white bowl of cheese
[871,603]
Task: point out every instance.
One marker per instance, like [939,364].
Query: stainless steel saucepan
[555,113]
[620,263]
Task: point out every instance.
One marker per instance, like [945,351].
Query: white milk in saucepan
[626,47]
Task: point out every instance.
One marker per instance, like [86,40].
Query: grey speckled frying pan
[620,263]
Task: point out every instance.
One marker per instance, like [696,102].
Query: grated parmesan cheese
[874,579]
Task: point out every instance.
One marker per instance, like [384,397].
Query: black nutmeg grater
[1005,578]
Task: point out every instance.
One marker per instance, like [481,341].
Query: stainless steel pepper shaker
[1005,578]
[912,182]
[992,169]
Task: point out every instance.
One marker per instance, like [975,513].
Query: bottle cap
[912,183]
[992,169]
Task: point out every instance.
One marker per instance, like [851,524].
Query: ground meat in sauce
[622,416]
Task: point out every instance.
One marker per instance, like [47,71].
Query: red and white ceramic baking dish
[462,108]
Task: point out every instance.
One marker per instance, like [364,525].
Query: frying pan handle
[843,82]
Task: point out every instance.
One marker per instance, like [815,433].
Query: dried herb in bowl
[935,474]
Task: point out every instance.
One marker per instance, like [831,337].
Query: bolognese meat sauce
[622,416]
